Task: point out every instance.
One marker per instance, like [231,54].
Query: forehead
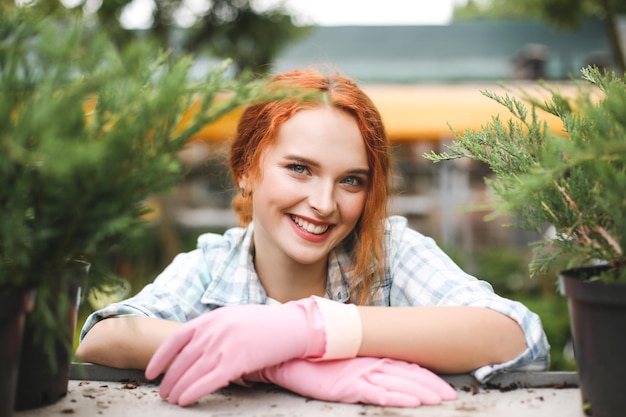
[322,129]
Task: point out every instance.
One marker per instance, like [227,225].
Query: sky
[322,12]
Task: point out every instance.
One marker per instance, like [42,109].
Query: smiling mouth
[309,227]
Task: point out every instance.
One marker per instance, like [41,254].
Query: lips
[309,227]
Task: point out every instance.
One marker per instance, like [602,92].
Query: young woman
[318,291]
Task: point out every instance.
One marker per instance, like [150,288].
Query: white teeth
[309,227]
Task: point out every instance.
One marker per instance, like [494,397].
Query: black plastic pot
[40,381]
[43,380]
[598,322]
[13,309]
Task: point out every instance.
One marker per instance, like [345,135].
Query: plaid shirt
[220,272]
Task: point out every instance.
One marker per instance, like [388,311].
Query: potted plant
[569,189]
[87,133]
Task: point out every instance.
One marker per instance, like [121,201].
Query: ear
[242,183]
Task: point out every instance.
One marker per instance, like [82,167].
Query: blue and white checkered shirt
[221,272]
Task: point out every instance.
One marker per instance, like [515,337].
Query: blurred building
[459,52]
[425,80]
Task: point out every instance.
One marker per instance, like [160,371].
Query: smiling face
[312,188]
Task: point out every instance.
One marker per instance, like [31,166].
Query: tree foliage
[88,132]
[574,183]
[225,29]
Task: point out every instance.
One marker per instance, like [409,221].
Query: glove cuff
[343,328]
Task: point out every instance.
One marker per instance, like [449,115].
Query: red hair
[259,126]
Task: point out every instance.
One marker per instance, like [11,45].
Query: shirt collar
[235,280]
[339,274]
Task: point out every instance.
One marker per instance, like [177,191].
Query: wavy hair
[258,127]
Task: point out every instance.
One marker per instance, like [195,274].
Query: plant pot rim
[574,283]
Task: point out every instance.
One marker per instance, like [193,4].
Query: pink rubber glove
[210,351]
[375,381]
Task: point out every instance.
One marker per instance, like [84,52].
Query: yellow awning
[422,112]
[431,112]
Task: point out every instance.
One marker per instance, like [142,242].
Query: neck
[285,280]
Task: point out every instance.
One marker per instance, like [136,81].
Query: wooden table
[100,391]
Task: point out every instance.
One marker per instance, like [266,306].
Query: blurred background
[423,63]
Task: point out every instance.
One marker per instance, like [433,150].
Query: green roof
[464,51]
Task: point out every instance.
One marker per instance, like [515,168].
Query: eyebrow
[310,162]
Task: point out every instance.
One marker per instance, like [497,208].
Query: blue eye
[298,168]
[353,181]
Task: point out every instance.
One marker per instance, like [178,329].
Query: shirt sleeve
[423,275]
[174,295]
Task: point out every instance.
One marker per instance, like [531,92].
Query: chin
[309,258]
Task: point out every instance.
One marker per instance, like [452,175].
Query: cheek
[277,189]
[352,206]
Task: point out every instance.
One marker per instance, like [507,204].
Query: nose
[322,198]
